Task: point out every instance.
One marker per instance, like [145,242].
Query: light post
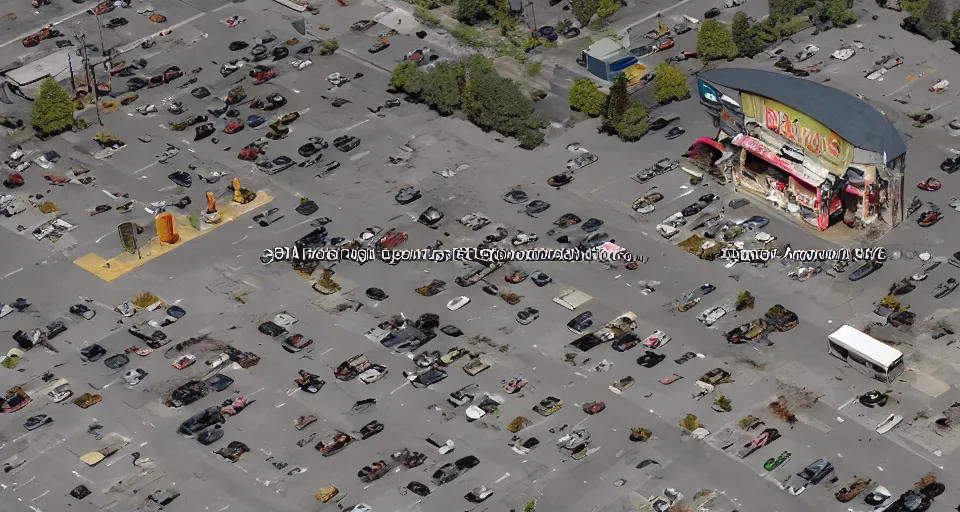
[533,12]
[89,73]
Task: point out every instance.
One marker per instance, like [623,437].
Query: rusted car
[752,330]
[781,318]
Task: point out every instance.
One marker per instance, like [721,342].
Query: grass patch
[425,16]
[510,50]
[534,68]
[48,207]
[470,36]
[145,299]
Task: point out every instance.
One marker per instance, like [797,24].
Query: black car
[315,238]
[429,378]
[55,328]
[346,143]
[649,359]
[370,429]
[516,197]
[661,123]
[591,225]
[586,342]
[93,352]
[164,497]
[278,164]
[407,196]
[950,165]
[271,329]
[181,179]
[203,131]
[116,361]
[581,322]
[451,331]
[188,393]
[419,489]
[711,13]
[236,46]
[468,462]
[675,132]
[136,83]
[200,421]
[376,294]
[198,93]
[540,278]
[311,148]
[219,382]
[208,437]
[80,492]
[865,270]
[536,206]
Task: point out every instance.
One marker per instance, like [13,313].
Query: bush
[586,98]
[914,7]
[933,21]
[470,11]
[408,78]
[469,36]
[497,103]
[530,138]
[634,124]
[617,103]
[530,507]
[607,8]
[670,84]
[442,87]
[689,423]
[724,403]
[329,47]
[583,10]
[534,68]
[426,16]
[745,36]
[52,109]
[714,42]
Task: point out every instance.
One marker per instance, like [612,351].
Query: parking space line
[60,21]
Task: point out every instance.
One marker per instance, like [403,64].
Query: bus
[868,355]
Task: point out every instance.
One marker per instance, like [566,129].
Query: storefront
[820,175]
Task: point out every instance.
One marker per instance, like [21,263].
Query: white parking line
[58,22]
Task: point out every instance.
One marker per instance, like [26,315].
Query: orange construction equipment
[167,229]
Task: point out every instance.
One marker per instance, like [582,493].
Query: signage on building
[709,96]
[758,148]
[803,131]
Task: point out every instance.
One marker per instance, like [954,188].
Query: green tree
[634,124]
[670,84]
[586,98]
[583,10]
[530,507]
[839,14]
[407,77]
[499,104]
[530,138]
[52,109]
[714,42]
[617,104]
[329,46]
[442,87]
[470,11]
[933,21]
[782,10]
[745,36]
[952,31]
[607,8]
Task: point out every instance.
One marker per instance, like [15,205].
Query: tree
[470,11]
[329,46]
[745,36]
[617,104]
[530,507]
[607,8]
[839,14]
[499,104]
[583,10]
[782,10]
[634,123]
[669,84]
[586,98]
[52,109]
[714,42]
[933,21]
[407,77]
[442,87]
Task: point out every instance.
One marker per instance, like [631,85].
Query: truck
[621,326]
[572,299]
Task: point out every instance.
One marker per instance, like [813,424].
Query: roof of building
[849,117]
[604,48]
[52,65]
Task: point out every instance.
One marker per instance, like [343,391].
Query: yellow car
[87,400]
[327,493]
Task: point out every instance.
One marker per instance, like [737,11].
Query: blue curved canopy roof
[848,116]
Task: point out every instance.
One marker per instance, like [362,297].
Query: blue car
[255,121]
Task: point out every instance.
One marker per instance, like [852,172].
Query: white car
[808,51]
[285,319]
[667,231]
[218,362]
[301,63]
[843,54]
[889,423]
[458,303]
[373,374]
[479,494]
[60,393]
[359,507]
[134,377]
[711,316]
[47,159]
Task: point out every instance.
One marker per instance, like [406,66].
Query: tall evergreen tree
[744,36]
[933,20]
[617,104]
[52,109]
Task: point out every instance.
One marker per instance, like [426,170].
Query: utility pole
[533,12]
[73,79]
[89,74]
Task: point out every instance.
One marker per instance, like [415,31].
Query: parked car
[813,474]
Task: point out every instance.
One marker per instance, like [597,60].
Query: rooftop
[849,117]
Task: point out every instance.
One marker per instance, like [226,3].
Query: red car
[249,154]
[102,8]
[340,441]
[930,185]
[184,361]
[666,44]
[171,73]
[594,407]
[392,239]
[233,127]
[39,36]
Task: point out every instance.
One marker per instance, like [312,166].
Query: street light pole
[89,74]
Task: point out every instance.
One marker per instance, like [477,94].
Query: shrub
[52,109]
[607,8]
[634,124]
[586,98]
[745,36]
[714,42]
[426,16]
[329,47]
[470,11]
[583,10]
[689,423]
[530,138]
[670,84]
[469,36]
[408,78]
[442,87]
[534,68]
